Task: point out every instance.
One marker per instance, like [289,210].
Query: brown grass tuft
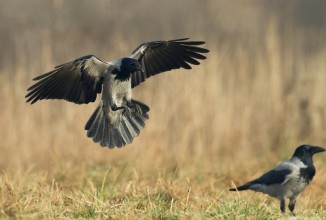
[259,94]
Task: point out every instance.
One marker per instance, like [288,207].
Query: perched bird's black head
[307,151]
[128,66]
[304,153]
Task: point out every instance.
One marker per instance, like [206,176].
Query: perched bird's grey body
[288,179]
[118,118]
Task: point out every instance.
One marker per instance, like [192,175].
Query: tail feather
[118,139]
[111,143]
[241,188]
[124,135]
[106,132]
[101,129]
[94,126]
[90,121]
[135,126]
[140,120]
[99,134]
[126,132]
[131,130]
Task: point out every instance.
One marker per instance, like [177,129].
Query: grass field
[259,95]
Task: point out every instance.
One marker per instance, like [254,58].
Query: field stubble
[235,116]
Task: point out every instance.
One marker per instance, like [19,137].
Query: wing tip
[204,50]
[31,100]
[29,89]
[180,39]
[184,40]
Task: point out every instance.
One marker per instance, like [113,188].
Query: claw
[138,109]
[135,106]
[126,111]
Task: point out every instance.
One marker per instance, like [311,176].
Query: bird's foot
[127,108]
[116,108]
[135,106]
[126,111]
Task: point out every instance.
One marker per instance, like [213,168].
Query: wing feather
[78,81]
[273,177]
[160,56]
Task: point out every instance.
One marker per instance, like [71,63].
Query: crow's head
[307,151]
[127,67]
[130,65]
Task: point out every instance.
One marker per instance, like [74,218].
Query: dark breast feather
[307,173]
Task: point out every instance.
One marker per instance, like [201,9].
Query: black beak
[314,150]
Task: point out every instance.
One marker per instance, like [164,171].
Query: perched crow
[118,118]
[287,180]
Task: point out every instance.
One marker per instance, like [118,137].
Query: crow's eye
[132,64]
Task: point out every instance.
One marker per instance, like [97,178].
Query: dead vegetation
[260,93]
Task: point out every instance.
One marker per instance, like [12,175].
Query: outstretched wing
[78,81]
[160,56]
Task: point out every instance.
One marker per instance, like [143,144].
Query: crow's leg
[126,109]
[116,108]
[282,205]
[292,205]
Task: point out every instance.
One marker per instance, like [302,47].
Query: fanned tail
[102,130]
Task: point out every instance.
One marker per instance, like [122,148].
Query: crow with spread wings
[118,118]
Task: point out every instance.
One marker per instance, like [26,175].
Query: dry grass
[259,94]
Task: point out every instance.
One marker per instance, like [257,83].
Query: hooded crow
[287,180]
[118,118]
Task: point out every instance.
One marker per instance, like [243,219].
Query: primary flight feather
[118,118]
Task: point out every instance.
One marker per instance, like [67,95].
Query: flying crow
[287,180]
[118,118]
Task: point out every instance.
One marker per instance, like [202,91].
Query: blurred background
[259,95]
